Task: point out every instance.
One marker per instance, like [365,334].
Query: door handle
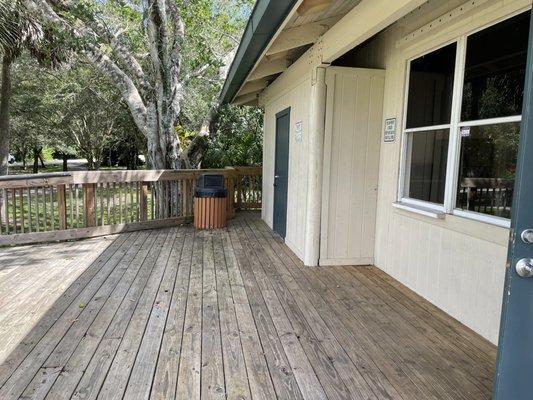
[524,267]
[276,176]
[527,236]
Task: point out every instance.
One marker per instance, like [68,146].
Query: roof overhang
[267,16]
[278,33]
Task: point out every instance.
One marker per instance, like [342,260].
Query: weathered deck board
[179,313]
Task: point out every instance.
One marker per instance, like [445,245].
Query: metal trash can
[210,202]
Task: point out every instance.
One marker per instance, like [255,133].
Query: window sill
[428,212]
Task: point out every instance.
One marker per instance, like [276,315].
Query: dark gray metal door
[281,171]
[514,371]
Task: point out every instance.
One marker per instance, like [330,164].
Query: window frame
[405,165]
[454,146]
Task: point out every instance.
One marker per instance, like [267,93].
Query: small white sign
[465,131]
[298,131]
[390,130]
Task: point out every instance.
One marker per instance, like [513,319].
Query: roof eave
[267,17]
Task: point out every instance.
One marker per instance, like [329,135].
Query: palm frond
[17,27]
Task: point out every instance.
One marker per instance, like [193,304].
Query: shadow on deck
[178,313]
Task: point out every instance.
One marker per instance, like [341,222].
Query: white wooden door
[351,165]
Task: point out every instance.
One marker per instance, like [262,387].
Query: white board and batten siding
[280,96]
[351,159]
[456,263]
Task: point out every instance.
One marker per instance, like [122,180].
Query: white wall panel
[295,95]
[353,131]
[457,264]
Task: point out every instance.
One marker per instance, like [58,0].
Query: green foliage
[238,140]
[213,31]
[76,110]
[73,110]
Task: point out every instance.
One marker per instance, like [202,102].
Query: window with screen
[472,124]
[490,116]
[428,123]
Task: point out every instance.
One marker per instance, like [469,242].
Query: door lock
[527,236]
[524,267]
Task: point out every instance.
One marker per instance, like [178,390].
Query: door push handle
[524,267]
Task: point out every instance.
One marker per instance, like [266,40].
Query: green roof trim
[267,16]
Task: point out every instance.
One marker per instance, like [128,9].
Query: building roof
[267,16]
[278,33]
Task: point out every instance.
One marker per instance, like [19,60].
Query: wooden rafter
[313,6]
[253,87]
[247,99]
[300,36]
[268,68]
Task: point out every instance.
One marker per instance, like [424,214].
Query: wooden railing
[248,188]
[486,195]
[62,206]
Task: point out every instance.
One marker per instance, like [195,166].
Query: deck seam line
[63,312]
[185,311]
[71,326]
[98,313]
[230,286]
[151,268]
[178,268]
[152,306]
[239,267]
[132,314]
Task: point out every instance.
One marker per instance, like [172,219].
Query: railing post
[238,180]
[186,198]
[143,201]
[230,186]
[62,206]
[231,197]
[89,203]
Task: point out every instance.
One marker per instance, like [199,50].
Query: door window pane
[495,70]
[487,169]
[427,169]
[431,88]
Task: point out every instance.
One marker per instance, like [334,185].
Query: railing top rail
[21,177]
[81,177]
[256,170]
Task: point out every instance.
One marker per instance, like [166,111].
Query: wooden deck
[177,313]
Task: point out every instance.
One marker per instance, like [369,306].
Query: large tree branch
[113,38]
[178,31]
[127,87]
[192,156]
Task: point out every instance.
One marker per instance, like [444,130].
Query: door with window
[462,124]
[281,171]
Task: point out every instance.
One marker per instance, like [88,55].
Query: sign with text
[298,131]
[390,130]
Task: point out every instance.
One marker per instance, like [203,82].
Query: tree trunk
[41,158]
[24,155]
[35,160]
[65,162]
[163,153]
[5,97]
